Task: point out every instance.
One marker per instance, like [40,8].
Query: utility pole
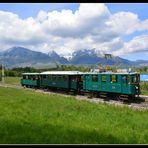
[3,74]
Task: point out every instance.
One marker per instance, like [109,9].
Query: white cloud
[137,44]
[42,16]
[91,26]
[123,22]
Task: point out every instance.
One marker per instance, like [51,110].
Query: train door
[135,84]
[95,83]
[125,80]
[115,83]
[104,86]
[87,82]
[73,81]
[80,82]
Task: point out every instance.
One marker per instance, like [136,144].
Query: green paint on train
[117,83]
[113,82]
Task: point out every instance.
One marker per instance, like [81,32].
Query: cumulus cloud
[69,24]
[90,26]
[137,44]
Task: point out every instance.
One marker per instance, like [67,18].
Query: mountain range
[21,57]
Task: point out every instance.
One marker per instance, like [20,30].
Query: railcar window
[95,78]
[128,78]
[60,77]
[87,77]
[74,78]
[54,77]
[81,78]
[103,78]
[113,78]
[39,77]
[29,77]
[138,77]
[124,79]
[33,77]
[49,77]
[65,77]
[44,76]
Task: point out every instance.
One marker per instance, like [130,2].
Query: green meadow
[13,80]
[29,117]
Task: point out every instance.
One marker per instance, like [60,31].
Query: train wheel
[117,97]
[124,98]
[90,95]
[103,95]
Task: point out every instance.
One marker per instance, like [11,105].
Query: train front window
[135,79]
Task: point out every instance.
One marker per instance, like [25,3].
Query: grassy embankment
[30,117]
[12,80]
[144,88]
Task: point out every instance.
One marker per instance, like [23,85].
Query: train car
[121,85]
[30,80]
[118,85]
[68,80]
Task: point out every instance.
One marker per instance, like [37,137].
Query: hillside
[21,57]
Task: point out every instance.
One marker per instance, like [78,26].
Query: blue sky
[25,10]
[31,10]
[139,8]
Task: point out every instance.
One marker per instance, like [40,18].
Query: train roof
[75,73]
[123,73]
[30,73]
[61,73]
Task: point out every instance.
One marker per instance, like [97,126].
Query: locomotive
[105,84]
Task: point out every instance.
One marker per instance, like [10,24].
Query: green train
[106,84]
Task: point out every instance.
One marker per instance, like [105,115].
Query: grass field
[13,80]
[28,117]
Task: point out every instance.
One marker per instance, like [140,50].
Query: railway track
[140,103]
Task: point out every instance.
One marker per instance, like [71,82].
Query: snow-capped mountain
[20,57]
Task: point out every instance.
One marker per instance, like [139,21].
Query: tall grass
[13,80]
[28,117]
[144,87]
